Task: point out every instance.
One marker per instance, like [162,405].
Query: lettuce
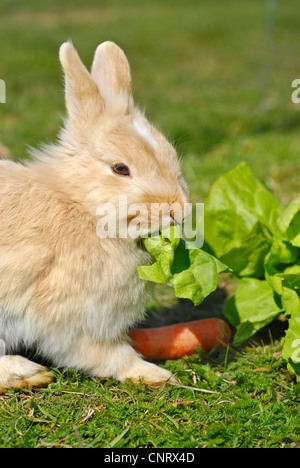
[291,344]
[289,222]
[253,306]
[241,221]
[247,228]
[192,272]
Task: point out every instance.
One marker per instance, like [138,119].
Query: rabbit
[65,292]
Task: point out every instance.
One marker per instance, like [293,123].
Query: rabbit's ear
[83,98]
[111,72]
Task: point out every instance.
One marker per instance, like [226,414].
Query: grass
[254,406]
[215,80]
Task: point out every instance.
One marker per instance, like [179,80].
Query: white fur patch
[146,134]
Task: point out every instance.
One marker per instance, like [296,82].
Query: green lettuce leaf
[240,221]
[253,306]
[292,275]
[289,222]
[282,254]
[192,272]
[162,248]
[291,343]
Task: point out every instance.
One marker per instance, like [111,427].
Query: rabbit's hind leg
[17,372]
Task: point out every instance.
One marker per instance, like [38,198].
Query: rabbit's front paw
[149,374]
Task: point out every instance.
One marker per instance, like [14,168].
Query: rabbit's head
[114,154]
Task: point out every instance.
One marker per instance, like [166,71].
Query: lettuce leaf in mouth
[192,272]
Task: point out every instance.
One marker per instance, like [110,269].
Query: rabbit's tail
[18,372]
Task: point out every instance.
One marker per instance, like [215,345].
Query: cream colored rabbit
[64,291]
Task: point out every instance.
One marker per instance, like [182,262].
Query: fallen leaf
[263,369]
[183,402]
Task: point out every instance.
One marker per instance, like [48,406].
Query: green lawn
[255,406]
[216,78]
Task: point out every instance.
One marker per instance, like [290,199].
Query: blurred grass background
[214,76]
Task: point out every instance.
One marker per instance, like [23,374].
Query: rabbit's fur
[63,290]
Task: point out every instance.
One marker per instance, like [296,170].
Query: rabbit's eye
[121,169]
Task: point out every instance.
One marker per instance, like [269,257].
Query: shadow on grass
[167,310]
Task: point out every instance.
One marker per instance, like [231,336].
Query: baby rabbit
[66,292]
